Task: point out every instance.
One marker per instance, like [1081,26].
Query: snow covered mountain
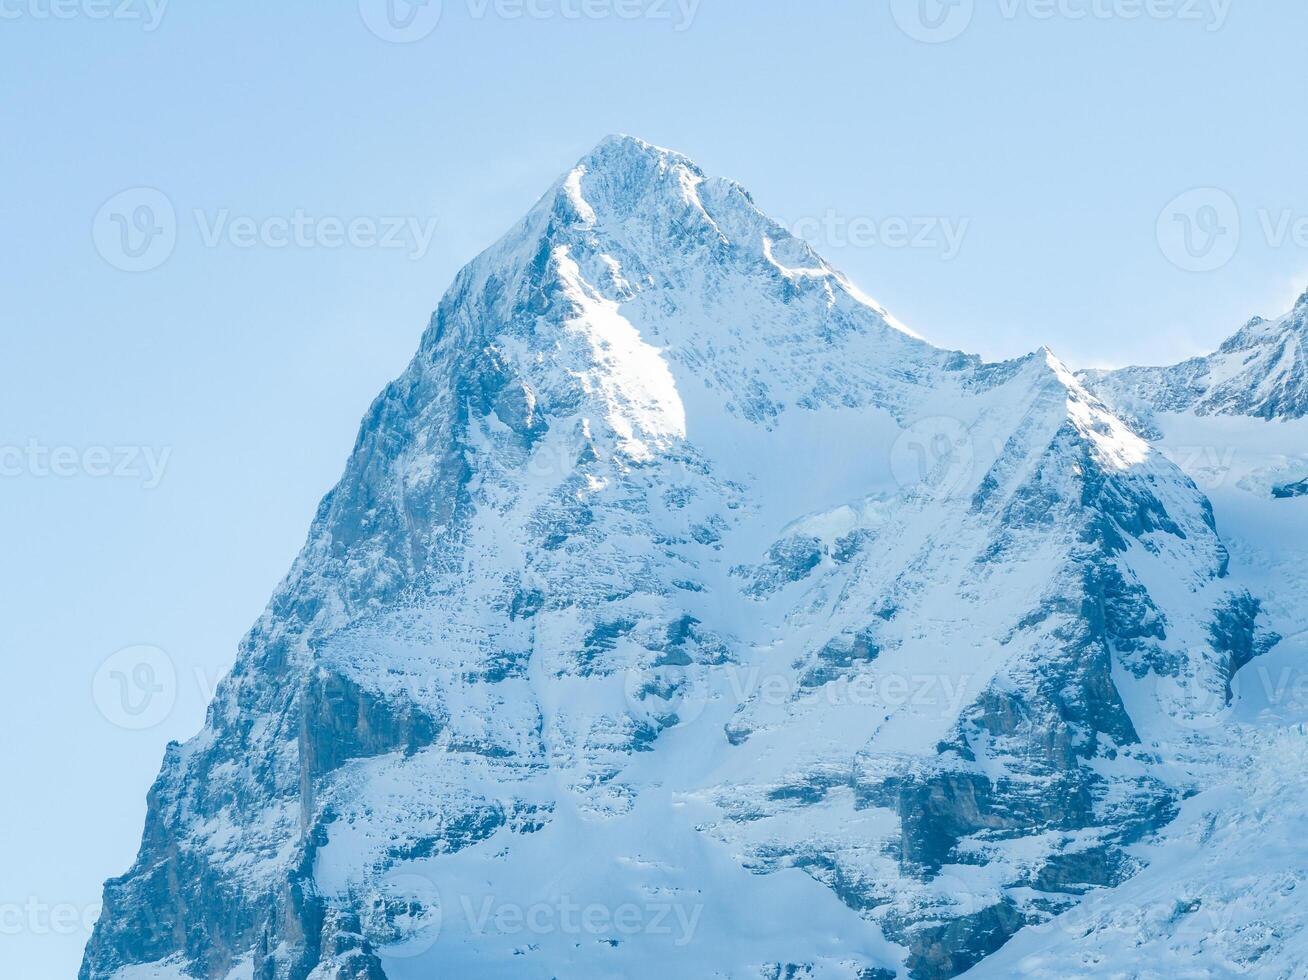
[1262,371]
[1222,892]
[679,611]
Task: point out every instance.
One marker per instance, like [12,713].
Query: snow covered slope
[678,610]
[1248,454]
[1223,890]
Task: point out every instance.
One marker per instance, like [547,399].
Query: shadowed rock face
[1048,719]
[1289,491]
[340,721]
[672,568]
[950,949]
[1238,638]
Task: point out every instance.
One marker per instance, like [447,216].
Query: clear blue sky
[1056,142]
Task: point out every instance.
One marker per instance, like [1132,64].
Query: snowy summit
[681,613]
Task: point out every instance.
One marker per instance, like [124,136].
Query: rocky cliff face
[1222,890]
[680,611]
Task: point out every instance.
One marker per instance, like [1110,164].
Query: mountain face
[1223,893]
[679,611]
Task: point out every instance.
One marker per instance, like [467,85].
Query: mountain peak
[1261,332]
[620,173]
[632,218]
[1261,370]
[655,452]
[617,148]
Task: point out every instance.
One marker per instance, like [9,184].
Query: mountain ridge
[1260,371]
[653,460]
[1219,895]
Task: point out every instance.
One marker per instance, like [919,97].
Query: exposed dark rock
[1288,491]
[340,721]
[953,947]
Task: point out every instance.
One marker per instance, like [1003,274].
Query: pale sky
[166,434]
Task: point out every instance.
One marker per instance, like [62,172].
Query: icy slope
[678,610]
